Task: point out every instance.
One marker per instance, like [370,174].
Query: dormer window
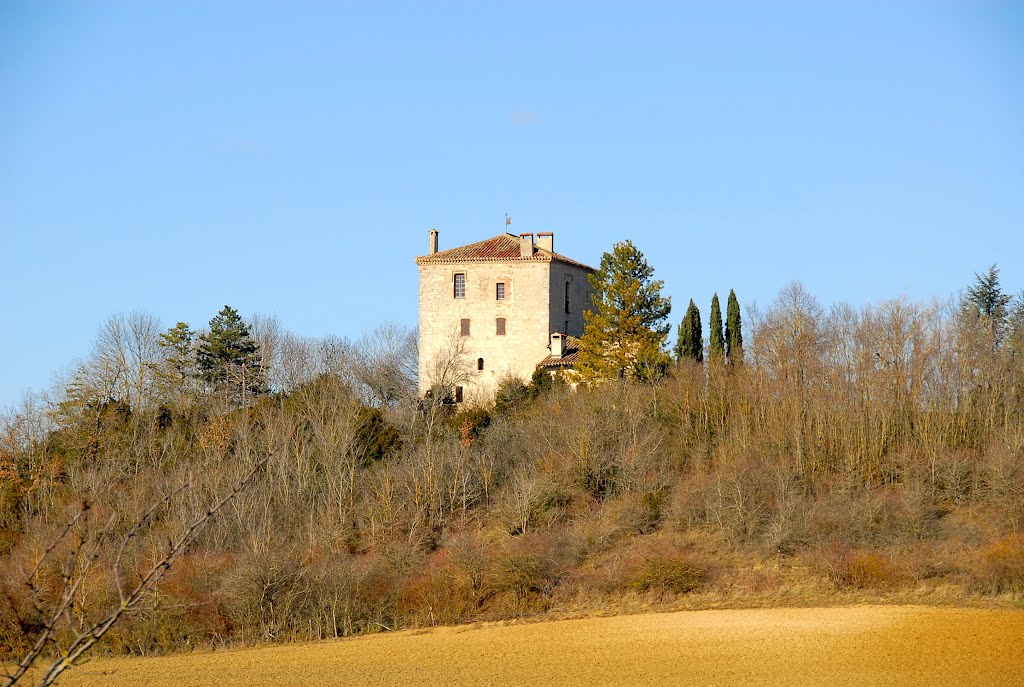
[460,285]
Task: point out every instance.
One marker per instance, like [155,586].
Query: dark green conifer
[716,342]
[690,336]
[229,359]
[733,330]
[986,304]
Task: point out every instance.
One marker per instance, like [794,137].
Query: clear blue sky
[288,158]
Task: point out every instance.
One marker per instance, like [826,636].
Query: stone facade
[464,295]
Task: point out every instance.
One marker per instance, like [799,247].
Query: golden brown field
[867,645]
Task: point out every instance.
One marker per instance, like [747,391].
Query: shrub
[511,393]
[676,572]
[1001,566]
[863,569]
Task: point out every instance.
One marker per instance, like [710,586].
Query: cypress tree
[690,338]
[683,343]
[733,330]
[716,342]
[697,334]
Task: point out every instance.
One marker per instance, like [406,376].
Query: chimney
[557,345]
[546,240]
[526,245]
[433,241]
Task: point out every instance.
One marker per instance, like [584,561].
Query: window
[500,322]
[567,284]
[499,291]
[479,363]
[464,327]
[460,285]
[458,394]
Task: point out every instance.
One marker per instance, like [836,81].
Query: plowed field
[870,645]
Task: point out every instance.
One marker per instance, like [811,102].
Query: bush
[676,572]
[511,393]
[862,569]
[1001,566]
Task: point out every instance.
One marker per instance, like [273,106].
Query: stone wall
[527,310]
[580,295]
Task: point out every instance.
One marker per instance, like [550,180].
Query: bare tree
[121,362]
[269,335]
[385,365]
[56,620]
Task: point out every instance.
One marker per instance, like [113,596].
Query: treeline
[875,450]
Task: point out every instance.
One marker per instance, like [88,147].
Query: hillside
[875,454]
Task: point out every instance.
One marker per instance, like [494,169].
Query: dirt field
[871,645]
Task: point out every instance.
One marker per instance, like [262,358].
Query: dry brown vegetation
[873,453]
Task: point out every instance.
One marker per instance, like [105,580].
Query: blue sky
[288,158]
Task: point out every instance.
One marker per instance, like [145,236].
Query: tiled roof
[503,247]
[570,354]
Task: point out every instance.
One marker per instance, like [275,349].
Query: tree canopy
[625,331]
[229,358]
[987,304]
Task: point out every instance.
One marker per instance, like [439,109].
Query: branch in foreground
[59,615]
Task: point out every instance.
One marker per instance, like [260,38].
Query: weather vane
[508,220]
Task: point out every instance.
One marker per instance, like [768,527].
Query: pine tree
[177,371]
[229,359]
[690,336]
[625,331]
[986,304]
[716,341]
[733,330]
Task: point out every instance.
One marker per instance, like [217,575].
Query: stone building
[495,308]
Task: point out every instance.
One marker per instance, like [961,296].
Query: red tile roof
[503,247]
[570,354]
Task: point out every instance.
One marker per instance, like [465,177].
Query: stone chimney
[526,245]
[433,241]
[557,344]
[546,240]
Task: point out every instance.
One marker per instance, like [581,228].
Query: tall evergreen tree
[229,359]
[986,304]
[690,335]
[716,341]
[733,330]
[177,371]
[625,331]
